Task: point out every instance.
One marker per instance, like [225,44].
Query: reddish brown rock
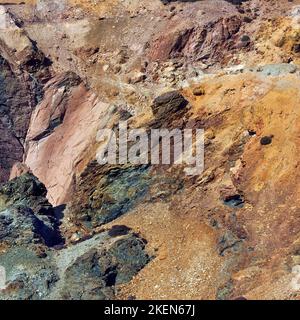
[61,139]
[232,231]
[210,42]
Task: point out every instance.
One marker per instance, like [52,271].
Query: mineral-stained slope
[23,70]
[72,228]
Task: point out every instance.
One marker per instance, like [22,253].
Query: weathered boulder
[168,109]
[26,216]
[37,265]
[26,190]
[28,276]
[96,273]
[168,103]
[90,270]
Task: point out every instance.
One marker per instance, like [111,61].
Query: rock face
[23,71]
[207,43]
[168,104]
[72,228]
[62,133]
[26,215]
[91,270]
[29,231]
[104,268]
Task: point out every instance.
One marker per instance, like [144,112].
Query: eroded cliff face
[24,69]
[71,68]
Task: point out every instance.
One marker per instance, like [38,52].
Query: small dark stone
[251,132]
[296,48]
[168,103]
[167,109]
[235,201]
[247,19]
[245,38]
[264,141]
[117,231]
[124,115]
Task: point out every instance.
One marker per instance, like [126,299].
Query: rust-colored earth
[71,68]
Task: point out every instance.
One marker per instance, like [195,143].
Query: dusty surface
[81,66]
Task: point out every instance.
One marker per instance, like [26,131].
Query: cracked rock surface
[72,228]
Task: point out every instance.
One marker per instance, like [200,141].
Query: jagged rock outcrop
[209,43]
[26,215]
[115,263]
[23,70]
[28,231]
[92,270]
